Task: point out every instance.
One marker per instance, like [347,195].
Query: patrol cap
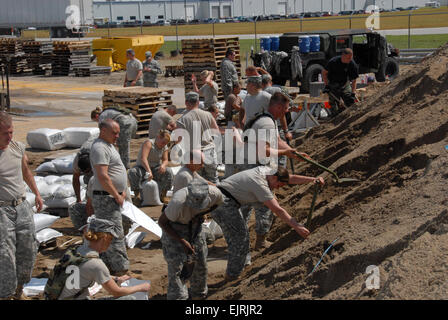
[192,97]
[100,225]
[198,195]
[254,79]
[131,52]
[148,54]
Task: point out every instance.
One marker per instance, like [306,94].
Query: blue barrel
[304,44]
[315,43]
[265,43]
[275,43]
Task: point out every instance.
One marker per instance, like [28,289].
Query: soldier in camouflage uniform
[18,245]
[251,187]
[108,189]
[183,240]
[229,74]
[152,163]
[128,129]
[150,70]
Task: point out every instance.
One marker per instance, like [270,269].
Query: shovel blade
[347,180]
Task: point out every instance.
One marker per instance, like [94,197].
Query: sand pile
[396,218]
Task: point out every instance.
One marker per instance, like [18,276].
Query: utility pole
[303,6]
[321,6]
[185,7]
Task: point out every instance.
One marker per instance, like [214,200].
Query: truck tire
[311,75]
[390,68]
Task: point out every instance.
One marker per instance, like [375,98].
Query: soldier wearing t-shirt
[340,76]
[18,243]
[264,146]
[134,70]
[109,186]
[189,171]
[252,188]
[209,90]
[183,237]
[128,128]
[162,120]
[197,130]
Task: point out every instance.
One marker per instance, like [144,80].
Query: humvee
[371,52]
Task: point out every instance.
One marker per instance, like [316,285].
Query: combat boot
[261,242]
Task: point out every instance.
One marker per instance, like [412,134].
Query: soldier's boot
[228,278]
[261,242]
[19,294]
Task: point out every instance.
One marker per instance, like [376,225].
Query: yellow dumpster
[117,46]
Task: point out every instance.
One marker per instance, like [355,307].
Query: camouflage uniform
[233,223]
[263,215]
[164,181]
[128,128]
[78,215]
[229,76]
[210,170]
[150,78]
[175,257]
[18,247]
[115,258]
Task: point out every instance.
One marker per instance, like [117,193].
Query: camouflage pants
[263,215]
[164,181]
[175,256]
[152,84]
[210,169]
[233,223]
[139,83]
[128,128]
[18,247]
[115,258]
[78,215]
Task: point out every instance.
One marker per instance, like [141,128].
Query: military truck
[371,52]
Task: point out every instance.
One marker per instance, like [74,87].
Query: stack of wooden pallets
[11,52]
[39,55]
[92,70]
[69,55]
[207,54]
[143,102]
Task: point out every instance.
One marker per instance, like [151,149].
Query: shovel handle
[316,164]
[313,205]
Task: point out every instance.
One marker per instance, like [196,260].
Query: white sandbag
[134,282]
[35,287]
[215,229]
[134,238]
[46,139]
[175,170]
[221,106]
[132,229]
[30,197]
[63,166]
[43,188]
[46,235]
[54,203]
[75,137]
[46,167]
[64,191]
[44,207]
[138,216]
[38,178]
[66,179]
[51,179]
[150,194]
[43,221]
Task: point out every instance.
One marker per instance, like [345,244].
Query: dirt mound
[396,218]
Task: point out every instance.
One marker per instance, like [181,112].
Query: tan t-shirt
[249,186]
[210,94]
[184,177]
[199,122]
[159,121]
[155,154]
[253,105]
[12,186]
[132,69]
[177,211]
[103,153]
[90,272]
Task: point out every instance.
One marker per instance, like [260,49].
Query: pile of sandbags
[61,165]
[55,139]
[42,223]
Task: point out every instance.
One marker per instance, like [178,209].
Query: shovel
[337,179]
[317,189]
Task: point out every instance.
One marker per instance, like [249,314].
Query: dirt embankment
[396,218]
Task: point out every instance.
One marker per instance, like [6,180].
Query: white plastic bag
[134,282]
[138,216]
[134,238]
[64,191]
[46,167]
[43,188]
[66,179]
[215,229]
[63,166]
[35,287]
[30,197]
[51,179]
[46,235]
[75,137]
[46,139]
[43,221]
[150,194]
[54,203]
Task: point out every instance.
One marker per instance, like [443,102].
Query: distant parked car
[326,14]
[275,16]
[162,23]
[194,21]
[346,13]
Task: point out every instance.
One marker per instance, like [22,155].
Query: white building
[153,10]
